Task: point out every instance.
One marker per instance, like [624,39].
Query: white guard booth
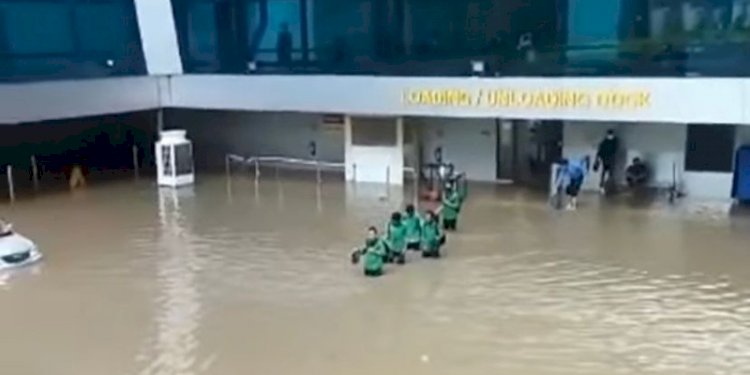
[174,159]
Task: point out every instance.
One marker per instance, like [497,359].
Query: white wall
[31,102]
[660,145]
[377,164]
[260,134]
[707,185]
[678,100]
[470,144]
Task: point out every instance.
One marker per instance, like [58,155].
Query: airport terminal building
[503,88]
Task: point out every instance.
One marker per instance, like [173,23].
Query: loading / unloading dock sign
[530,98]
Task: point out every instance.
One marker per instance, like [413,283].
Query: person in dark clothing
[284,46]
[637,174]
[606,157]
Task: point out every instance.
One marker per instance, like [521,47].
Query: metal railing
[256,161]
[319,166]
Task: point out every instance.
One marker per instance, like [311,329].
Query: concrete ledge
[676,100]
[54,100]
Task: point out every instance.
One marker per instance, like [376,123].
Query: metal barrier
[318,165]
[256,161]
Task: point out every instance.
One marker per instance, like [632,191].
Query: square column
[374,149]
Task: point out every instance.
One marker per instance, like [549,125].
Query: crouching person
[432,237]
[373,254]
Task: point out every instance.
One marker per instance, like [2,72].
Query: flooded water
[230,279]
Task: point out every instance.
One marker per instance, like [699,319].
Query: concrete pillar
[158,37]
[378,162]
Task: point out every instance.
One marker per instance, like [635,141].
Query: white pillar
[158,37]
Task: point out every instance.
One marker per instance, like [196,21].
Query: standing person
[374,253]
[570,178]
[396,238]
[77,178]
[450,209]
[413,223]
[432,237]
[284,44]
[606,157]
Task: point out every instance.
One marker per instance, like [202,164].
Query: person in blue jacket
[570,176]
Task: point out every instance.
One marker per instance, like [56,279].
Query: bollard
[227,166]
[354,172]
[317,170]
[388,175]
[415,176]
[257,170]
[11,187]
[136,168]
[34,172]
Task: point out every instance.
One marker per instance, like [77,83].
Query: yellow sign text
[615,99]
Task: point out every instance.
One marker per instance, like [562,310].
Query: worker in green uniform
[450,209]
[413,222]
[462,189]
[396,238]
[374,253]
[432,237]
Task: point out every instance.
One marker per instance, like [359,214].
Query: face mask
[610,136]
[370,241]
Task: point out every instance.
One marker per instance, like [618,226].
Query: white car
[17,251]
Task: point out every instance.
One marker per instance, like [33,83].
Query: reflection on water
[234,277]
[178,301]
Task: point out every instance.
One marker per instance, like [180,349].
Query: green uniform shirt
[451,206]
[397,237]
[413,225]
[431,235]
[462,192]
[374,256]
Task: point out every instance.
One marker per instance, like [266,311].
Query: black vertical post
[77,54]
[304,32]
[5,51]
[498,143]
[242,32]
[562,16]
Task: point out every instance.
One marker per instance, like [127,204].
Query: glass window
[49,39]
[202,37]
[94,27]
[283,16]
[710,148]
[443,37]
[37,27]
[593,30]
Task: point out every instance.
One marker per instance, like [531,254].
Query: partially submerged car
[15,249]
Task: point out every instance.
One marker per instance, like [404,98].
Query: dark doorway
[505,150]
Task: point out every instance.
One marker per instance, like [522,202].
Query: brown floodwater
[233,279]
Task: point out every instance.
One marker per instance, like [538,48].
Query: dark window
[373,131]
[50,39]
[710,148]
[183,155]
